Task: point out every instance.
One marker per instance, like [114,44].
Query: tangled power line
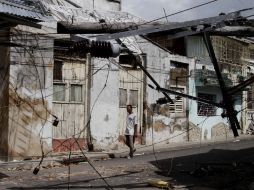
[96,100]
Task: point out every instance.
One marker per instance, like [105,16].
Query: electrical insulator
[101,49]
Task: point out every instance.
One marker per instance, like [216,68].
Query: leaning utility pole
[227,99]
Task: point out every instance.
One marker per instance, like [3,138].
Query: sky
[152,9]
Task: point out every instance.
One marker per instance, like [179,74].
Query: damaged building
[26,81]
[235,58]
[59,100]
[115,83]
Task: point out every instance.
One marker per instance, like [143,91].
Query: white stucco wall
[203,122]
[158,65]
[105,113]
[30,88]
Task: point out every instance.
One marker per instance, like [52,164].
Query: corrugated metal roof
[22,8]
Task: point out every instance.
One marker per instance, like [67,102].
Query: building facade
[26,70]
[234,56]
[62,101]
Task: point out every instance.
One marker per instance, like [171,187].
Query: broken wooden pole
[101,27]
[227,99]
[154,81]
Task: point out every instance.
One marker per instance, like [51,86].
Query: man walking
[131,130]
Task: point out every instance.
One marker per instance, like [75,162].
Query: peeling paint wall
[206,124]
[4,98]
[104,105]
[162,125]
[30,90]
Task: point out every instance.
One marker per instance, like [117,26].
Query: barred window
[178,105]
[206,109]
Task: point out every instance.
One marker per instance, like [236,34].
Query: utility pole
[87,107]
[227,99]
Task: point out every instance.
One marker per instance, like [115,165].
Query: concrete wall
[104,104]
[167,127]
[105,114]
[100,4]
[4,98]
[204,123]
[30,90]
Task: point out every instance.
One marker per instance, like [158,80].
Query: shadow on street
[217,169]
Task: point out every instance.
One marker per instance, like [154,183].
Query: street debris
[74,160]
[159,183]
[181,187]
[139,154]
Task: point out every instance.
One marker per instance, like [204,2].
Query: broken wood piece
[74,160]
[182,186]
[64,27]
[159,183]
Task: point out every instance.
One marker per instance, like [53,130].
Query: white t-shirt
[130,123]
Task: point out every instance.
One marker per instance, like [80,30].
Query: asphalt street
[227,166]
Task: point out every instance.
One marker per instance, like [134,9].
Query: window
[76,93]
[122,97]
[128,97]
[58,70]
[178,76]
[178,73]
[133,98]
[127,60]
[178,106]
[206,109]
[59,92]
